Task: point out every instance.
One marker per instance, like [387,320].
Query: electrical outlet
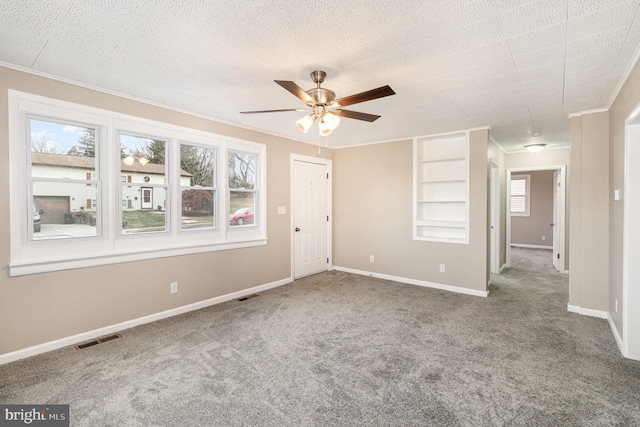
[174,287]
[371,259]
[616,305]
[441,268]
[544,237]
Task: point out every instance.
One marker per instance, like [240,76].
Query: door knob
[297,229]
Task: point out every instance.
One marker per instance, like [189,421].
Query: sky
[58,135]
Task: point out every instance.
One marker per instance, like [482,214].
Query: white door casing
[562,173]
[310,216]
[556,228]
[631,240]
[495,219]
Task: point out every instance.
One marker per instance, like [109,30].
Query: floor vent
[248,297]
[98,341]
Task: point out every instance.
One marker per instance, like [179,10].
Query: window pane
[60,210]
[143,159]
[242,170]
[198,165]
[60,150]
[242,208]
[197,209]
[518,204]
[143,209]
[518,187]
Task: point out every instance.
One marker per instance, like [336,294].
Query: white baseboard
[616,334]
[587,311]
[85,336]
[519,245]
[449,288]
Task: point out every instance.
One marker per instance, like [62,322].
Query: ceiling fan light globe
[305,123]
[128,160]
[324,129]
[331,120]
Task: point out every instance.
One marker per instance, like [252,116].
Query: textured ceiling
[519,66]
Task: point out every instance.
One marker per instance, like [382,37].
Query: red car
[242,216]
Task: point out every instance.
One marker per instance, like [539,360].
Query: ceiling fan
[325,106]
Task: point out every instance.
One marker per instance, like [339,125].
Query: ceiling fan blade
[272,111]
[296,90]
[365,96]
[356,115]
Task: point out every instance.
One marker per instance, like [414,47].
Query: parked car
[242,216]
[36,220]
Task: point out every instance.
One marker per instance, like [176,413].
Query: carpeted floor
[346,350]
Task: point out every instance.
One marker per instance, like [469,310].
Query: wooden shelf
[442,201]
[441,171]
[440,223]
[442,181]
[454,159]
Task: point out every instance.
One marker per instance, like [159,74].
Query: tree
[86,144]
[42,145]
[242,169]
[200,163]
[197,202]
[153,150]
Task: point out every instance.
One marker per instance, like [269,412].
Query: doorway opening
[546,230]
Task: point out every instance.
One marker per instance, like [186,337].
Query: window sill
[23,269]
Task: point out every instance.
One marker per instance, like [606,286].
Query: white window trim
[527,196]
[109,247]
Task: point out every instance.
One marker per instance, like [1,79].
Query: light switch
[282,210]
[616,195]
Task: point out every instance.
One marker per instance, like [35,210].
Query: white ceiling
[517,65]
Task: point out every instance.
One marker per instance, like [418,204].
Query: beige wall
[41,308]
[589,220]
[627,100]
[528,230]
[372,199]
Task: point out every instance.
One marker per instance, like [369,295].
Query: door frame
[495,219]
[561,209]
[319,161]
[630,346]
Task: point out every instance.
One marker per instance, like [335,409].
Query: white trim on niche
[96,333]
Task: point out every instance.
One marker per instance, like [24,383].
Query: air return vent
[248,297]
[98,341]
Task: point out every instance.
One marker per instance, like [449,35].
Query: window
[198,190]
[92,187]
[242,188]
[64,184]
[143,163]
[520,195]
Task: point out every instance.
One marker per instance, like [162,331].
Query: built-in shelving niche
[441,188]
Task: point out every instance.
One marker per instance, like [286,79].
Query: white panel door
[310,213]
[556,222]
